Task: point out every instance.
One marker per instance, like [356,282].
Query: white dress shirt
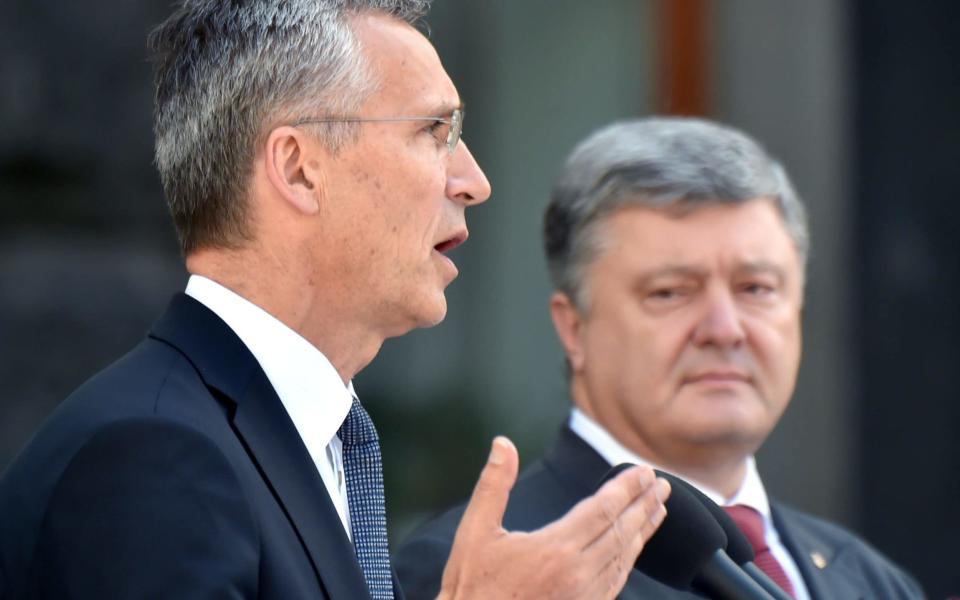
[308,385]
[751,492]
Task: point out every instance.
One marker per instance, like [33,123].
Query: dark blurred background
[860,99]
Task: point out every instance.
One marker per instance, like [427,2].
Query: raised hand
[588,553]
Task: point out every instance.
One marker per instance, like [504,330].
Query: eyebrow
[688,271]
[442,109]
[647,277]
[762,266]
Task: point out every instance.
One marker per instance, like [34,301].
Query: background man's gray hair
[672,164]
[225,71]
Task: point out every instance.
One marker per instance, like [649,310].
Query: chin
[403,317]
[746,435]
[432,312]
[435,319]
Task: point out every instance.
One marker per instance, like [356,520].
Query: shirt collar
[751,492]
[307,383]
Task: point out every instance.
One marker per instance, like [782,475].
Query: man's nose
[465,179]
[720,324]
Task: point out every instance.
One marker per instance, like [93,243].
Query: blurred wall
[88,259]
[907,281]
[87,256]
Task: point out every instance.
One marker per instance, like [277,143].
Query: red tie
[751,522]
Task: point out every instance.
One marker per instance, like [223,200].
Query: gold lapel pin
[818,559]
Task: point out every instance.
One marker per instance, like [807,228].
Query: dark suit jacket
[570,472]
[174,473]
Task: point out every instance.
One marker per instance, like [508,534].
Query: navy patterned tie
[368,515]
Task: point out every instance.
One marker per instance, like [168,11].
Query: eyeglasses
[454,122]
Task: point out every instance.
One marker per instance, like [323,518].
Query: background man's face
[691,333]
[396,197]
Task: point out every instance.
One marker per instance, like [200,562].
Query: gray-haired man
[310,154]
[677,251]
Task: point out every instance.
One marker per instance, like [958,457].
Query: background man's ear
[567,320]
[291,169]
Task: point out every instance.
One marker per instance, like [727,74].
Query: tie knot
[358,427]
[751,523]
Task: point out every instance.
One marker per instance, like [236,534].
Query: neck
[725,479]
[318,314]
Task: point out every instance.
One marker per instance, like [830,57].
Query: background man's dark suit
[179,463]
[570,472]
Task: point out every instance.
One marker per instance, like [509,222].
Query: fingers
[618,547]
[657,510]
[485,510]
[645,515]
[636,524]
[588,553]
[594,516]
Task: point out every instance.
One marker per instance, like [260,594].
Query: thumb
[490,495]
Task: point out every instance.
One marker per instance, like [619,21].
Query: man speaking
[311,157]
[677,251]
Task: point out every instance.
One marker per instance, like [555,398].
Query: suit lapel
[275,446]
[822,563]
[272,441]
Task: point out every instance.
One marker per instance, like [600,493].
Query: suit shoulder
[115,416]
[129,388]
[846,550]
[133,381]
[144,382]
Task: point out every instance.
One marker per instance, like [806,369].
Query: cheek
[652,353]
[417,208]
[415,173]
[645,350]
[669,340]
[776,347]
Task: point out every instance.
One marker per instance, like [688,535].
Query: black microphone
[738,546]
[687,551]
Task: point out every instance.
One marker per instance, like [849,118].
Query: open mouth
[451,243]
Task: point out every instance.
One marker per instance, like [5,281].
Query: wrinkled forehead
[408,70]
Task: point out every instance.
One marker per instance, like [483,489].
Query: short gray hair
[226,70]
[673,164]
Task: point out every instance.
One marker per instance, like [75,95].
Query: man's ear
[292,170]
[567,320]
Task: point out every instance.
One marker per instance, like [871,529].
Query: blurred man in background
[310,153]
[677,249]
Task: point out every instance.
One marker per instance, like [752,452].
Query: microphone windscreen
[738,546]
[685,541]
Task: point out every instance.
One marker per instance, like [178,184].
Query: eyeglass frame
[455,121]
